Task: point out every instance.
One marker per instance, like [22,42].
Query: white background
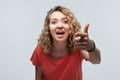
[21,22]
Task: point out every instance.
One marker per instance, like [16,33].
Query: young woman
[62,47]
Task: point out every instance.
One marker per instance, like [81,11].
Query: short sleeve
[35,58]
[79,51]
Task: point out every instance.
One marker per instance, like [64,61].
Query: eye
[65,21]
[53,22]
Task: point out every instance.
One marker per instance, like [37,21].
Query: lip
[60,34]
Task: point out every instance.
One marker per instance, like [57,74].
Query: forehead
[57,15]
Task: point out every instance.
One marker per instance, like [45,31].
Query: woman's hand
[87,45]
[82,40]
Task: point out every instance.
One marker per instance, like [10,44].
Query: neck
[58,49]
[59,46]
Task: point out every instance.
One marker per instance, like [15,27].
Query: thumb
[86,28]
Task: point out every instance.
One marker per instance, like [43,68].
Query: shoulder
[38,47]
[38,50]
[78,53]
[36,56]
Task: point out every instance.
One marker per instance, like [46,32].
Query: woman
[62,47]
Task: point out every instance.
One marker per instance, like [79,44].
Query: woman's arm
[38,73]
[94,56]
[89,50]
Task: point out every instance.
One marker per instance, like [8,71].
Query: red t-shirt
[69,67]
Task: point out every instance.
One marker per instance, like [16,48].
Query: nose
[60,25]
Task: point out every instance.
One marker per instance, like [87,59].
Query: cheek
[69,30]
[52,30]
[52,27]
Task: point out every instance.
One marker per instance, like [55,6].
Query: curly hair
[45,39]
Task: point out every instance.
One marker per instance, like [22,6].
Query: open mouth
[60,32]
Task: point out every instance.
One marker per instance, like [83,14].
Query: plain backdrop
[21,22]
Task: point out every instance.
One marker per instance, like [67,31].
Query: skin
[59,41]
[58,22]
[38,73]
[83,42]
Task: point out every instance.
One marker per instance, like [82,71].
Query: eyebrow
[57,19]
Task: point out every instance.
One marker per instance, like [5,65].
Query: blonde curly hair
[45,39]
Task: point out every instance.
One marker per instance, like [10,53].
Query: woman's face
[59,27]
